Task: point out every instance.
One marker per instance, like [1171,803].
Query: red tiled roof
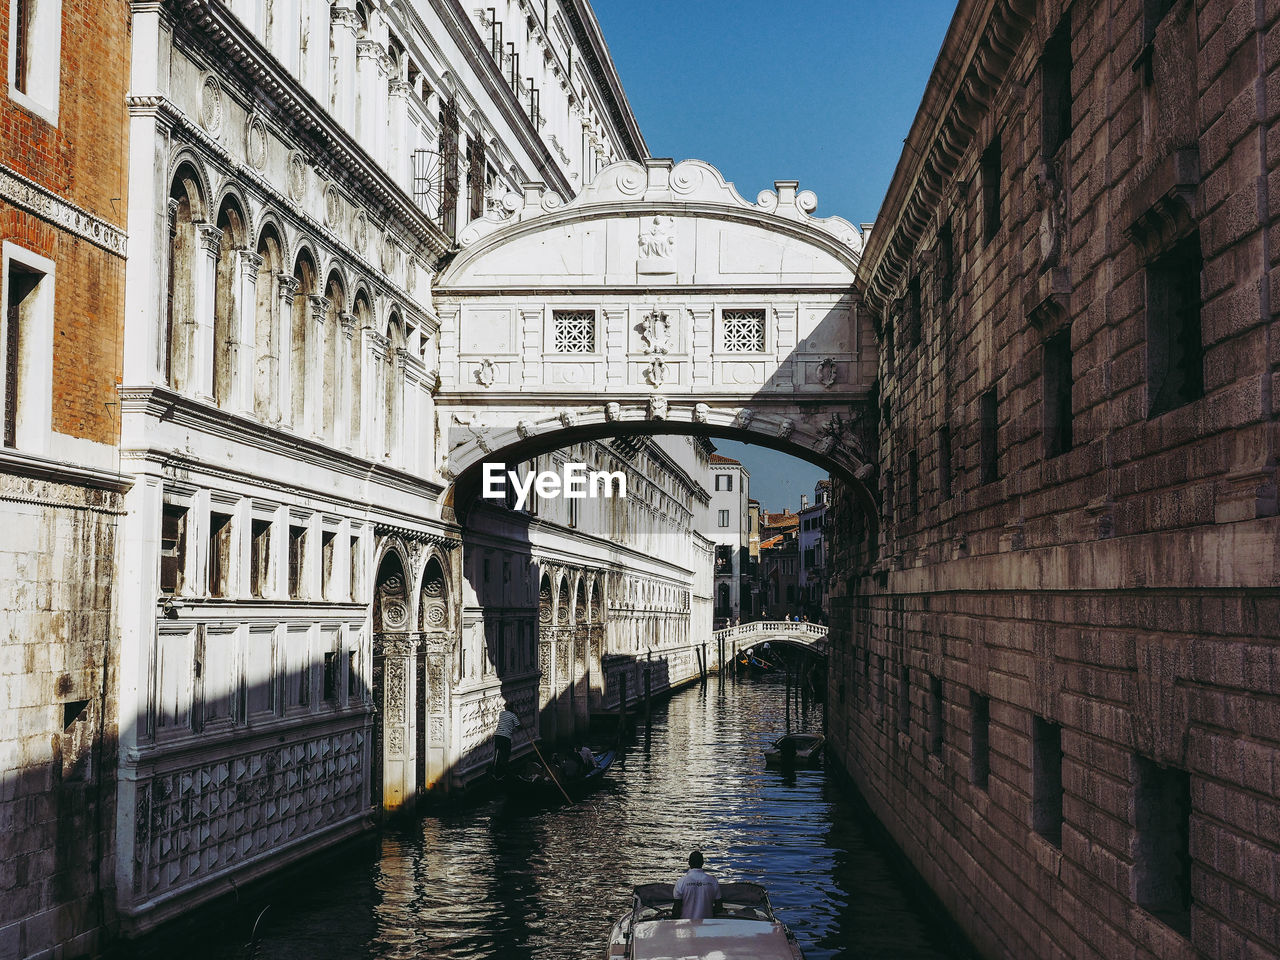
[724,461]
[784,519]
[771,542]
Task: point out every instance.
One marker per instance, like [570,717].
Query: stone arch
[563,600]
[546,602]
[266,322]
[434,608]
[333,349]
[391,592]
[306,276]
[234,226]
[186,166]
[580,610]
[186,215]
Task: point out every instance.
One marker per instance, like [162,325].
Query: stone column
[343,388]
[242,361]
[282,403]
[315,55]
[398,133]
[375,408]
[370,98]
[397,720]
[342,65]
[438,651]
[204,282]
[313,418]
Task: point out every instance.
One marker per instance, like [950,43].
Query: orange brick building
[62,213]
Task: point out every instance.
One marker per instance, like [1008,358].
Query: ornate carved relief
[297,177]
[211,104]
[255,143]
[655,331]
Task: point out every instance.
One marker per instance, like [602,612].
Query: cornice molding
[224,34]
[61,213]
[981,43]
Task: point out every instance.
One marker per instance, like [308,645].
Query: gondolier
[507,724]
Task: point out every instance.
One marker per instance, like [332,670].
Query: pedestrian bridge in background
[809,636]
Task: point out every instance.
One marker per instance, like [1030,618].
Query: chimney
[804,501]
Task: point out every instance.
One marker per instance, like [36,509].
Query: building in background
[751,603]
[730,532]
[63,197]
[812,570]
[779,588]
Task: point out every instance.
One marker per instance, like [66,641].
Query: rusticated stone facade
[1055,677]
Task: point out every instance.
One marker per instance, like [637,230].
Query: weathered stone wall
[1111,599]
[57,779]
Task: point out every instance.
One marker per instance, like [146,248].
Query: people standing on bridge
[696,892]
[508,723]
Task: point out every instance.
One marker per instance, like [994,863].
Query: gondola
[532,782]
[753,663]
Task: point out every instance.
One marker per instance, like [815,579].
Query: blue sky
[820,91]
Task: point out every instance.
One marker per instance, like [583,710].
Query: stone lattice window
[743,331]
[575,331]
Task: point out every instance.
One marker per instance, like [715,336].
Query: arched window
[355,370]
[362,21]
[304,272]
[185,209]
[266,327]
[226,311]
[334,346]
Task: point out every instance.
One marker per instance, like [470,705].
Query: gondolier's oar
[549,773]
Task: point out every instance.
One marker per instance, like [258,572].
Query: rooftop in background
[718,460]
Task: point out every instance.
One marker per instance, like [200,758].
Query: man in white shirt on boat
[696,892]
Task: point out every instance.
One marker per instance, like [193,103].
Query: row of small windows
[246,554]
[208,679]
[1162,794]
[1175,372]
[576,331]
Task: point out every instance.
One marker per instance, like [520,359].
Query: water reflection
[501,881]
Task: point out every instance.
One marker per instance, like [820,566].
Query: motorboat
[807,746]
[743,928]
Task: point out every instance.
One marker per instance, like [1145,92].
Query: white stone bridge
[658,300]
[807,636]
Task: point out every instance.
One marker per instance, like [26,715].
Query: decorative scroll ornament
[827,372]
[485,373]
[701,412]
[567,419]
[655,330]
[476,429]
[657,408]
[656,371]
[612,411]
[525,429]
[255,143]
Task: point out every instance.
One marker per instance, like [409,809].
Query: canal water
[502,881]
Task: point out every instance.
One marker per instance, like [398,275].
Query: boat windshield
[740,900]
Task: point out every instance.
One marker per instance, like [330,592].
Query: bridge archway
[657,301]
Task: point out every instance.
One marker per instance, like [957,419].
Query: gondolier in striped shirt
[507,724]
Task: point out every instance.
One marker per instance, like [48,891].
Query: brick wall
[57,554]
[1123,590]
